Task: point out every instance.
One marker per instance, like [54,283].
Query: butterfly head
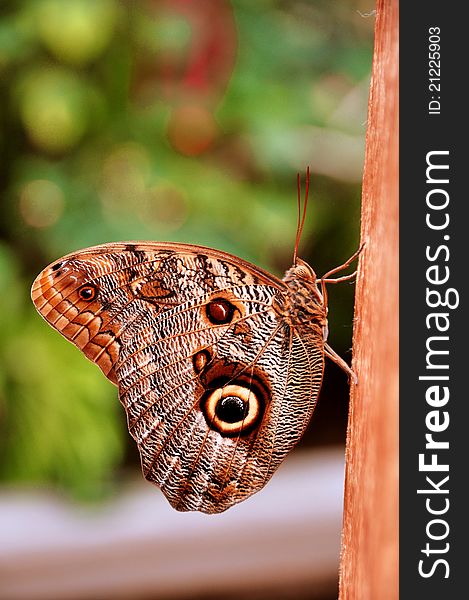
[302,271]
[302,276]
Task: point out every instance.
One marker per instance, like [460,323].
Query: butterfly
[218,363]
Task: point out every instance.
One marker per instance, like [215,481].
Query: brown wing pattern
[216,383]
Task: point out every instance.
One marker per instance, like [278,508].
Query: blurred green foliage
[94,149]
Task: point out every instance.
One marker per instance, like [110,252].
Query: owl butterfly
[218,363]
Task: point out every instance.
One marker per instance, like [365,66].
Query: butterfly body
[218,363]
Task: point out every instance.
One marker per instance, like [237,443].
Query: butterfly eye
[303,272]
[233,409]
[220,311]
[87,292]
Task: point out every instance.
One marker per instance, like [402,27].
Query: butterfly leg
[330,353]
[344,265]
[327,277]
[340,279]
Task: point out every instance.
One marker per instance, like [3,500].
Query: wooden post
[369,563]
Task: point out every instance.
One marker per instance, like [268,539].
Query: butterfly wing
[217,385]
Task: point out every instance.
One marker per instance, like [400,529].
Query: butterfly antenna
[301,218]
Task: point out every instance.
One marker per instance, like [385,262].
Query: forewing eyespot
[87,292]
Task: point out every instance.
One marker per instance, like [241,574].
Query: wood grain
[369,563]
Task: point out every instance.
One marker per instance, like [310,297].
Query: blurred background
[184,121]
